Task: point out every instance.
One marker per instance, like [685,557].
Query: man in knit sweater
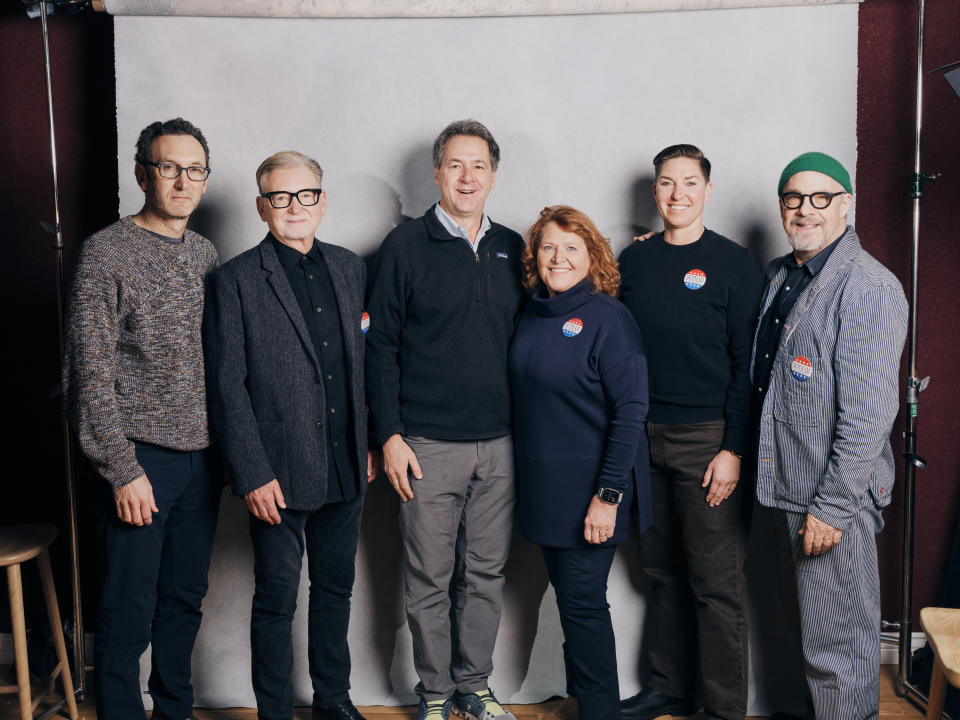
[134,381]
[444,295]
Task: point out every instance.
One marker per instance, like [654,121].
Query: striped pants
[837,610]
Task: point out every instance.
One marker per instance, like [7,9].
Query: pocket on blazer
[801,399]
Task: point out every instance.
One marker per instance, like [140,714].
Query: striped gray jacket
[825,425]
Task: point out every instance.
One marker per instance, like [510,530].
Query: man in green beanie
[826,360]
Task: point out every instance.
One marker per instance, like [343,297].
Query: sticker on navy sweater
[502,255]
[695,279]
[365,322]
[801,368]
[572,327]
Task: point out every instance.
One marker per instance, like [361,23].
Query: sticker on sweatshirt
[801,368]
[572,327]
[695,279]
[365,322]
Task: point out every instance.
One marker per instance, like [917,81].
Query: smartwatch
[610,496]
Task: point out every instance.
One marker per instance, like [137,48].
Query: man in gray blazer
[825,369]
[284,336]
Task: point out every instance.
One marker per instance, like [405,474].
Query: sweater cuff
[735,439]
[382,437]
[122,471]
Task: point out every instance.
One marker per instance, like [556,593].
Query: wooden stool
[942,626]
[18,544]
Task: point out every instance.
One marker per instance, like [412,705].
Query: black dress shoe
[649,704]
[341,711]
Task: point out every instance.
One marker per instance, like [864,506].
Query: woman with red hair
[579,383]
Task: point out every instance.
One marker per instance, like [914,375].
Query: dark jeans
[330,536]
[693,555]
[154,579]
[579,579]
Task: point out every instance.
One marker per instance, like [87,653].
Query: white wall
[580,105]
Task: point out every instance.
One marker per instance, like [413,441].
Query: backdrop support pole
[56,229]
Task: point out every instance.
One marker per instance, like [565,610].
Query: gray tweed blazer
[267,400]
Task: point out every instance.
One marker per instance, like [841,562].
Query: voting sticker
[695,279]
[365,322]
[801,368]
[572,327]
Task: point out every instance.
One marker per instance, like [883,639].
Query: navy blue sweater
[441,319]
[696,306]
[579,380]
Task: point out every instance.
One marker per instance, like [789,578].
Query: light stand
[914,386]
[79,662]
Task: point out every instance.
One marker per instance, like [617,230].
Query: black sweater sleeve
[741,320]
[387,308]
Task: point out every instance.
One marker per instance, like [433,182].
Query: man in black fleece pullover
[445,292]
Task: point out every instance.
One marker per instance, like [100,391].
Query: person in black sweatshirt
[694,295]
[444,296]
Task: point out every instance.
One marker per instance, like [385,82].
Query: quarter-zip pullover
[441,319]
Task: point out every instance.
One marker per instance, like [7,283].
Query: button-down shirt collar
[450,225]
[290,257]
[816,263]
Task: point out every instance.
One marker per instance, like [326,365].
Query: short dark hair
[177,126]
[466,127]
[678,151]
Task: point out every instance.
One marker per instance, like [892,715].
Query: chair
[942,626]
[19,544]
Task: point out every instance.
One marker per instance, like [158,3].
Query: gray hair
[466,127]
[288,159]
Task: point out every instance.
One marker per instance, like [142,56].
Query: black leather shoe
[649,704]
[341,711]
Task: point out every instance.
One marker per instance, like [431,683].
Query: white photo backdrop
[579,104]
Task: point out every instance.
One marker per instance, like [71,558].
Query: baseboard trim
[889,654]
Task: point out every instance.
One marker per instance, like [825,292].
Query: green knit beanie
[818,162]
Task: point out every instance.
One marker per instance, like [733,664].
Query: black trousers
[579,579]
[154,578]
[330,537]
[693,555]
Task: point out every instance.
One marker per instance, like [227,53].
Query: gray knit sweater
[133,366]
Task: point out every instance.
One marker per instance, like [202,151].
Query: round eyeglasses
[819,200]
[281,198]
[171,171]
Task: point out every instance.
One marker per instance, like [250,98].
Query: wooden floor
[891,708]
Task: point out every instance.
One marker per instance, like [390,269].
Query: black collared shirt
[799,276]
[310,281]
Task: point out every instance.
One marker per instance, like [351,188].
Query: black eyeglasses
[819,200]
[281,198]
[172,170]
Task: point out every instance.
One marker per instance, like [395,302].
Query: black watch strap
[609,495]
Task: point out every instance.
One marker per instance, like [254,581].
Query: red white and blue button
[695,279]
[572,327]
[365,322]
[801,368]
